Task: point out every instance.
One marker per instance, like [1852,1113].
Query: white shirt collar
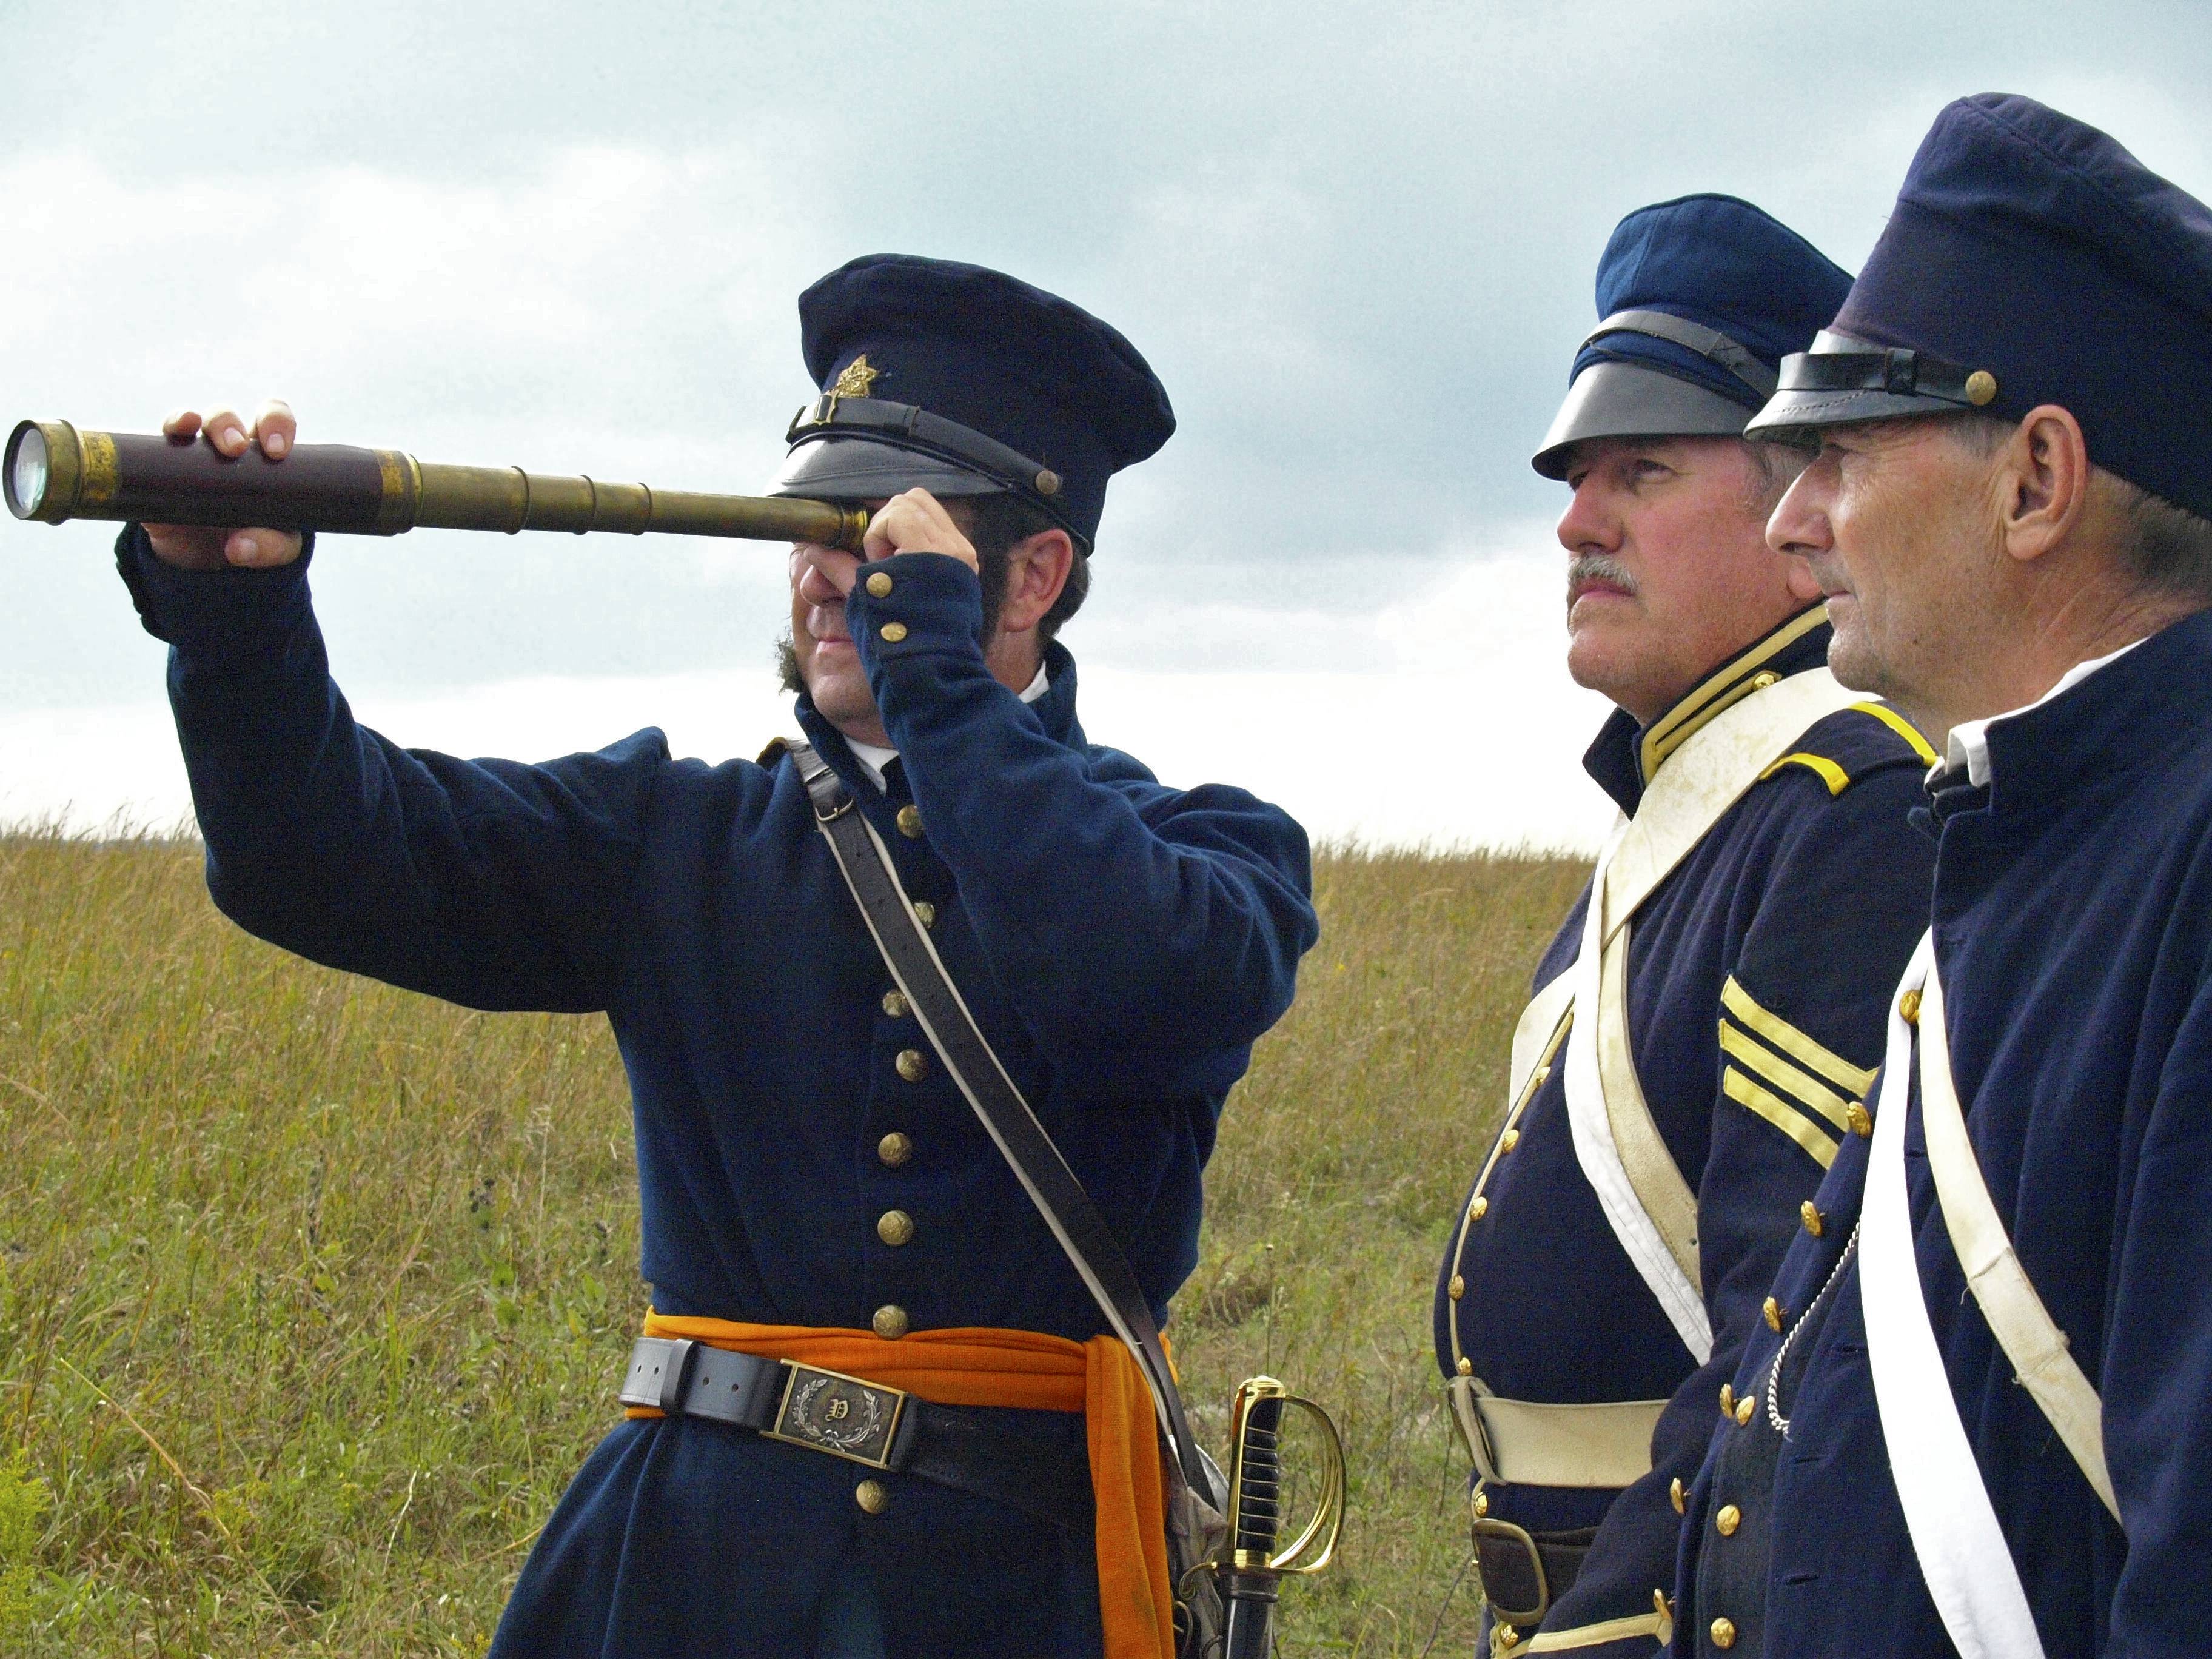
[874,758]
[1969,743]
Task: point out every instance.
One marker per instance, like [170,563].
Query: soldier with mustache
[1706,1023]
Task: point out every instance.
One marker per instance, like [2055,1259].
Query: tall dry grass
[311,1290]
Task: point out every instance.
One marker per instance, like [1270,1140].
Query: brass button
[895,1227]
[891,634]
[880,584]
[1680,1499]
[912,1065]
[1048,481]
[1743,1408]
[895,1005]
[1728,1520]
[925,913]
[1458,1287]
[1506,1637]
[1509,1141]
[1728,1400]
[1764,679]
[1981,388]
[1772,1309]
[890,1322]
[1810,1213]
[872,1495]
[1481,1503]
[1465,1366]
[893,1150]
[1724,1632]
[909,821]
[1477,1210]
[1856,1118]
[1908,1007]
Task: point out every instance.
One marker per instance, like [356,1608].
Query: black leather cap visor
[1843,380]
[1617,399]
[862,469]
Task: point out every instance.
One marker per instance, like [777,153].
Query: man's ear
[1036,570]
[2041,484]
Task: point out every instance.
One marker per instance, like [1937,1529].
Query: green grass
[311,1290]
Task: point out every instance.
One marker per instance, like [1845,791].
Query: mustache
[1598,567]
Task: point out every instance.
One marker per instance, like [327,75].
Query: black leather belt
[1524,1572]
[863,1422]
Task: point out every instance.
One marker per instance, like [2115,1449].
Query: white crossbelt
[1648,1203]
[1971,1574]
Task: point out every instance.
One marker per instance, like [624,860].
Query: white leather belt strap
[1529,1442]
[1969,1569]
[1649,1205]
[2017,1318]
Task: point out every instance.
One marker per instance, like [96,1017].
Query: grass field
[310,1290]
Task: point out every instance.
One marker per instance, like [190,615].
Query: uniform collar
[1968,744]
[1051,694]
[1626,756]
[2106,718]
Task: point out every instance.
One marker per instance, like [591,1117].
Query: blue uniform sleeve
[489,882]
[1124,921]
[2157,1371]
[1801,1027]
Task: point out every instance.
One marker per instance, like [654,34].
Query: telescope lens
[26,472]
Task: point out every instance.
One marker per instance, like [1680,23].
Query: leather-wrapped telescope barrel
[53,473]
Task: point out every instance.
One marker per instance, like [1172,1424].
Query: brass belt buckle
[830,1412]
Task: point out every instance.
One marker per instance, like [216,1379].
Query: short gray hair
[2168,547]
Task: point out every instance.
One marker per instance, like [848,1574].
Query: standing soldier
[1983,1425]
[816,1191]
[1710,1014]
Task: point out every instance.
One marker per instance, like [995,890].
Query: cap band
[909,426]
[1707,343]
[1899,373]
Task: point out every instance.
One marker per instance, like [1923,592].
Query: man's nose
[1799,523]
[813,583]
[1586,527]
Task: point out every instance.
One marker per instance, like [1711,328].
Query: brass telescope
[51,473]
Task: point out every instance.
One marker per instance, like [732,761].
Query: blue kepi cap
[2030,259]
[965,381]
[1701,299]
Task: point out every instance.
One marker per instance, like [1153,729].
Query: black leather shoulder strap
[937,1003]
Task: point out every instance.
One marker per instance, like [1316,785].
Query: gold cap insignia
[857,379]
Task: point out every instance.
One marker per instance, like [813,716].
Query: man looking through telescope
[818,1200]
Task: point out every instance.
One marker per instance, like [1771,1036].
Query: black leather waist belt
[863,1422]
[1524,1572]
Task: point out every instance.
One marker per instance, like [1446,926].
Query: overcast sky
[1356,241]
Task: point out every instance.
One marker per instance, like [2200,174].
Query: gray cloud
[1356,241]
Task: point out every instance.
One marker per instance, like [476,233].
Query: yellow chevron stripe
[1817,1097]
[1781,1113]
[1779,1033]
[1833,775]
[1904,728]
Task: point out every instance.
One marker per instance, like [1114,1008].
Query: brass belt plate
[830,1412]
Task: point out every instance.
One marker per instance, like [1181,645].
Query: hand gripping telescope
[51,472]
[1252,1562]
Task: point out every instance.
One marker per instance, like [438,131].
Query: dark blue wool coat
[2073,918]
[1808,900]
[1122,944]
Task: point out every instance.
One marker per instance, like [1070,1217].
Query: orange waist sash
[977,1365]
